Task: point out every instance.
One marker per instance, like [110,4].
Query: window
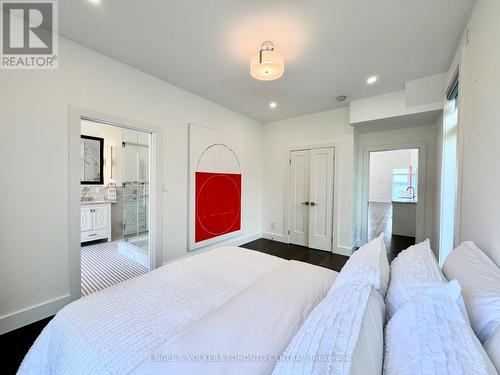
[403,179]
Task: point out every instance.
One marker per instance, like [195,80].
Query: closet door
[321,198]
[299,190]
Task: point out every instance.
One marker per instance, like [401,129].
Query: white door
[86,218]
[321,199]
[101,217]
[299,228]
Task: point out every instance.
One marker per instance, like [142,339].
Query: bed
[150,323]
[237,311]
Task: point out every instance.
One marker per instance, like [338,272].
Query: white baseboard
[238,241]
[274,237]
[32,314]
[344,250]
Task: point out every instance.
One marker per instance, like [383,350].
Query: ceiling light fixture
[96,2]
[272,105]
[371,80]
[267,64]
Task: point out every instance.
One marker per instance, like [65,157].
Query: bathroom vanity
[404,216]
[95,220]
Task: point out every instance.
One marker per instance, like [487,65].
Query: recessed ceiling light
[371,80]
[272,105]
[96,2]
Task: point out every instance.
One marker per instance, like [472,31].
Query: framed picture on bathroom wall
[91,160]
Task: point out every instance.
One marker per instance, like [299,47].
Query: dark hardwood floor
[294,252]
[380,221]
[17,343]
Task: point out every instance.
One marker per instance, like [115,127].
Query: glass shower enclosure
[135,183]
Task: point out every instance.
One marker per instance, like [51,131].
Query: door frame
[76,114]
[421,193]
[288,191]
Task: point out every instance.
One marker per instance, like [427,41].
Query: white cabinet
[86,215]
[101,216]
[95,222]
[404,218]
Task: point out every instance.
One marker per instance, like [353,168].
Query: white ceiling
[330,46]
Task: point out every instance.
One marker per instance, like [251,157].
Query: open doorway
[393,197]
[114,204]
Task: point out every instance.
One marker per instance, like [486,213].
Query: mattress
[114,330]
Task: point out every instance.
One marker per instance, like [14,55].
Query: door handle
[305,203]
[313,204]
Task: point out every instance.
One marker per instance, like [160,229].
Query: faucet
[412,191]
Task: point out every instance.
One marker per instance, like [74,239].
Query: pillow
[411,271]
[342,335]
[430,335]
[492,347]
[369,265]
[480,281]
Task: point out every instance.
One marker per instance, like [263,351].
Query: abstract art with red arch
[217,204]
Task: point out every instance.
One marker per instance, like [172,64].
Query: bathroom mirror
[92,160]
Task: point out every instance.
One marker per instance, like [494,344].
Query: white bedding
[368,264]
[480,281]
[247,334]
[342,336]
[492,347]
[430,335]
[413,270]
[110,331]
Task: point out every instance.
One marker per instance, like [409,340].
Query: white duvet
[115,331]
[110,331]
[248,333]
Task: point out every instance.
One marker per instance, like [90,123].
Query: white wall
[317,128]
[419,96]
[34,129]
[479,130]
[381,168]
[420,134]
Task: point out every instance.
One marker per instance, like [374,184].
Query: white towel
[112,194]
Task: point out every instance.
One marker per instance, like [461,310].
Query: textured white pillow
[430,335]
[492,347]
[342,335]
[413,269]
[480,281]
[369,265]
